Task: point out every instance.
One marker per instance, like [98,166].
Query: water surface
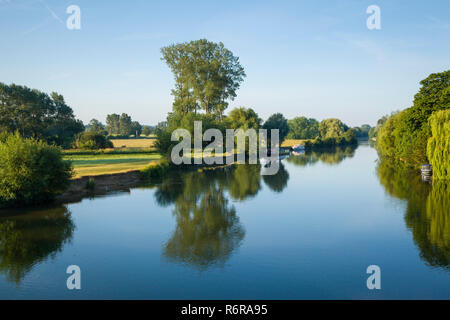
[308,232]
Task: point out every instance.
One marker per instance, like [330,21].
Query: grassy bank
[97,164]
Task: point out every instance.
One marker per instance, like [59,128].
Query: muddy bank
[99,185]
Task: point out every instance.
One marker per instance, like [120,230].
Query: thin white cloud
[53,14]
[438,23]
[368,46]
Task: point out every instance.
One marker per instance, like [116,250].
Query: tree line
[420,134]
[207,76]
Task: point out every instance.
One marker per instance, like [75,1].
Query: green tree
[207,75]
[147,130]
[332,128]
[136,128]
[303,128]
[242,118]
[438,148]
[31,171]
[96,126]
[412,129]
[113,124]
[93,141]
[277,121]
[125,125]
[35,114]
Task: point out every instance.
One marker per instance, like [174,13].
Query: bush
[31,171]
[438,148]
[155,170]
[93,141]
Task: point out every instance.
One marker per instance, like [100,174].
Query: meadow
[133,154]
[133,143]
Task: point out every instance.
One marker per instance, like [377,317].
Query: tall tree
[36,114]
[303,128]
[206,76]
[136,128]
[95,126]
[113,123]
[277,121]
[125,123]
[332,128]
[147,130]
[244,119]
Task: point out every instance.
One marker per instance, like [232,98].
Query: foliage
[362,132]
[277,121]
[242,118]
[156,170]
[31,171]
[96,126]
[406,135]
[332,128]
[373,132]
[206,76]
[147,130]
[122,125]
[35,114]
[93,141]
[438,149]
[303,128]
[332,132]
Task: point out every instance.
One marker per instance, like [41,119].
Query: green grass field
[92,165]
[128,155]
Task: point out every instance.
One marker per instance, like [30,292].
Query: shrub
[155,170]
[93,141]
[438,148]
[31,171]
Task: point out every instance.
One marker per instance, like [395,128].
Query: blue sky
[311,58]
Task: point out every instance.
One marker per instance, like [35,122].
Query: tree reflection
[330,156]
[26,240]
[277,182]
[427,214]
[208,229]
[245,182]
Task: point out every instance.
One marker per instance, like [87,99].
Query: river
[309,232]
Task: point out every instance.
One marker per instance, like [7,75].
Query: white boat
[298,147]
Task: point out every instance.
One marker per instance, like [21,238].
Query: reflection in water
[277,182]
[208,229]
[29,239]
[330,156]
[427,214]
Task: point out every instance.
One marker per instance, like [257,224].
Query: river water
[309,232]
